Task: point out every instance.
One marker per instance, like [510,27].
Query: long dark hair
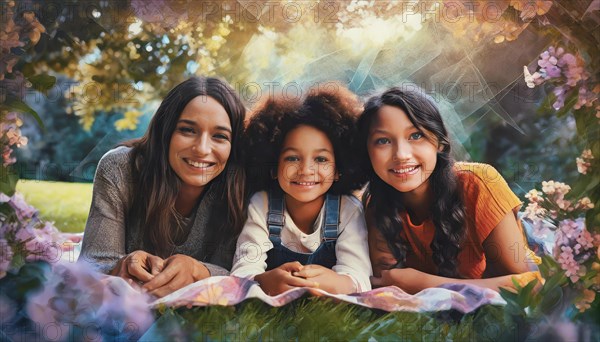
[156,185]
[447,209]
[332,110]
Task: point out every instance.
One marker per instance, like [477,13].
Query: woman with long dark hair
[431,220]
[167,208]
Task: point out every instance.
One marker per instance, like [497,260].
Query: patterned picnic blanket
[234,290]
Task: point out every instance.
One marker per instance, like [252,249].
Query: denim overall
[325,253]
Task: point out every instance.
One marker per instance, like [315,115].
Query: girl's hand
[138,266]
[408,279]
[280,279]
[179,270]
[327,279]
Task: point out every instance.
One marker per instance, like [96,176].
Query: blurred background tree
[116,59]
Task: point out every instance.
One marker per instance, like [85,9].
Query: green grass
[67,204]
[321,319]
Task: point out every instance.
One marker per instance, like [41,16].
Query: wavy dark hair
[156,185]
[332,110]
[447,210]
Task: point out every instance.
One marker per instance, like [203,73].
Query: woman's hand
[408,279]
[138,266]
[280,279]
[179,270]
[327,279]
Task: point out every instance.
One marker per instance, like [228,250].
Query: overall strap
[332,217]
[275,218]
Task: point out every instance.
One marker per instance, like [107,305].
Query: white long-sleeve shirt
[351,248]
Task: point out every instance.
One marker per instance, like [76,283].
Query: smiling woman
[167,207]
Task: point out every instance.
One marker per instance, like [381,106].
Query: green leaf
[569,103]
[551,300]
[557,279]
[16,105]
[8,181]
[42,83]
[525,294]
[585,185]
[516,283]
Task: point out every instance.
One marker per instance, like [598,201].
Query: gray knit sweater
[107,237]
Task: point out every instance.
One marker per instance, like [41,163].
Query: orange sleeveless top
[487,200]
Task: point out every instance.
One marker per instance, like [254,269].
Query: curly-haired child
[304,227]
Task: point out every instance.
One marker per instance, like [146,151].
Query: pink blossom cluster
[75,296]
[24,237]
[567,72]
[584,161]
[552,203]
[10,135]
[20,33]
[574,247]
[586,300]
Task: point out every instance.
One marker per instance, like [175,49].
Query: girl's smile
[402,155]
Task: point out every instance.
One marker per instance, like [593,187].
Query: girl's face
[401,154]
[201,143]
[306,168]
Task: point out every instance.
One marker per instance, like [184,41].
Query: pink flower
[77,296]
[44,244]
[558,189]
[582,166]
[571,228]
[585,239]
[563,204]
[23,210]
[6,156]
[586,300]
[568,264]
[6,255]
[584,98]
[534,212]
[583,162]
[25,234]
[540,230]
[534,196]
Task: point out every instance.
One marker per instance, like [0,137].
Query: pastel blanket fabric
[230,290]
[233,290]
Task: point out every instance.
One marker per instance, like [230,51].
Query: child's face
[201,143]
[401,154]
[306,168]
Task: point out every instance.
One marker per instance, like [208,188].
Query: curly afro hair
[332,110]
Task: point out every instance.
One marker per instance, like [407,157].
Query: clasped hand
[159,276]
[294,274]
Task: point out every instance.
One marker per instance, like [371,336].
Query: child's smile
[306,168]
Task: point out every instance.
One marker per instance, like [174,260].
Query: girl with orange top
[433,221]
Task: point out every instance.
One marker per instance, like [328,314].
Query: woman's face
[401,154]
[306,168]
[201,143]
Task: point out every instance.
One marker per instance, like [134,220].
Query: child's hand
[280,279]
[327,279]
